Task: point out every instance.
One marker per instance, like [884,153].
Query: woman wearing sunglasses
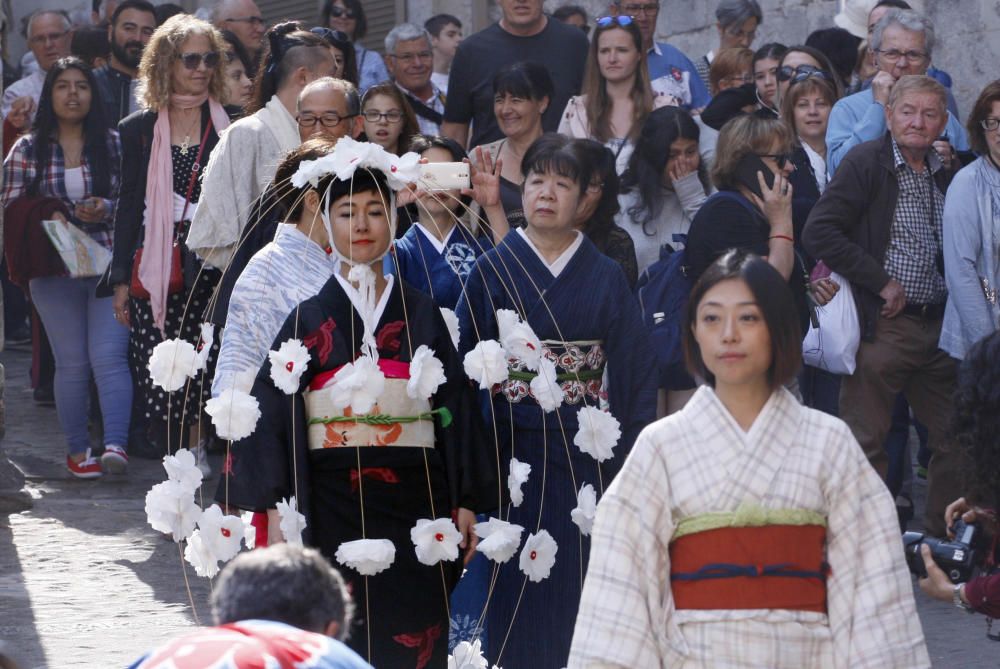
[348,16]
[182,81]
[617,95]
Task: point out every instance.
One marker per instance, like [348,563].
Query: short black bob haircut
[524,79]
[777,306]
[553,153]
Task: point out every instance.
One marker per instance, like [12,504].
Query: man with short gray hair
[243,19]
[902,43]
[410,61]
[48,35]
[879,225]
[737,22]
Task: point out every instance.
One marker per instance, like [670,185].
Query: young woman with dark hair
[71,159]
[665,184]
[734,522]
[579,305]
[766,61]
[348,16]
[343,53]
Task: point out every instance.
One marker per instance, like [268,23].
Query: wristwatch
[956,598]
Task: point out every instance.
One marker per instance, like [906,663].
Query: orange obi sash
[765,567]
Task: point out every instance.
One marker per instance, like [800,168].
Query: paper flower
[517,476]
[205,342]
[366,556]
[467,656]
[499,539]
[292,522]
[172,363]
[200,556]
[170,508]
[486,364]
[426,374]
[586,509]
[545,388]
[357,385]
[234,414]
[181,467]
[538,556]
[287,365]
[350,155]
[451,320]
[249,530]
[598,433]
[221,534]
[518,339]
[435,540]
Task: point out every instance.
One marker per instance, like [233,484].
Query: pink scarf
[154,272]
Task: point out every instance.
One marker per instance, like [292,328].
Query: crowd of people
[675,318]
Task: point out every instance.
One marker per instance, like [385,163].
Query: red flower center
[392,168]
[533,555]
[439,537]
[226,533]
[289,365]
[530,345]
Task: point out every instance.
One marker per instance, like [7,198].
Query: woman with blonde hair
[617,94]
[159,291]
[730,68]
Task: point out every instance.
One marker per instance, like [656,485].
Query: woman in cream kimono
[746,530]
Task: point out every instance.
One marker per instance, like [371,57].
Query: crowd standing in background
[670,327]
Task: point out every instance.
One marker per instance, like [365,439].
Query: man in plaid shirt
[879,225]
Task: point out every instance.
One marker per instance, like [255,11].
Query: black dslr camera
[957,558]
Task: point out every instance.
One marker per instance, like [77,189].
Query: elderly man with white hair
[48,35]
[902,42]
[410,61]
[243,19]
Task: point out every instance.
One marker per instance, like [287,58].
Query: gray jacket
[971,261]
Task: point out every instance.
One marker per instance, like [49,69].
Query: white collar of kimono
[290,232]
[559,264]
[276,118]
[774,403]
[369,310]
[438,244]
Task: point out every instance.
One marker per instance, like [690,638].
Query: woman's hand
[120,305]
[823,290]
[91,210]
[937,584]
[466,519]
[484,177]
[680,168]
[776,203]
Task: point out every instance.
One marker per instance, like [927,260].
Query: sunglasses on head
[800,72]
[605,21]
[192,59]
[334,37]
[341,12]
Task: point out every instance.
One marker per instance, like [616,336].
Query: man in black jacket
[879,225]
[132,24]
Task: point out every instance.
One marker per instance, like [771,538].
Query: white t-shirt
[75,188]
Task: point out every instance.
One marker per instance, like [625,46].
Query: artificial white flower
[172,363]
[598,433]
[312,171]
[517,476]
[199,554]
[426,374]
[499,539]
[366,556]
[467,656]
[205,342]
[182,468]
[357,385]
[538,556]
[403,170]
[249,530]
[486,364]
[292,522]
[170,508]
[586,509]
[234,414]
[545,388]
[435,540]
[451,320]
[518,339]
[287,365]
[221,534]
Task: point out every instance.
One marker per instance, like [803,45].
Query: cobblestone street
[84,581]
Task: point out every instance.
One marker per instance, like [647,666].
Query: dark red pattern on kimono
[383,474]
[322,338]
[422,641]
[387,338]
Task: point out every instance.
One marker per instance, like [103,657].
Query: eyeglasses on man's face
[636,9]
[740,34]
[895,55]
[48,38]
[410,58]
[328,119]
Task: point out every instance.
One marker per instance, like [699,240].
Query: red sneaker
[88,468]
[114,460]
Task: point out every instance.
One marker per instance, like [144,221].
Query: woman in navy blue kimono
[577,301]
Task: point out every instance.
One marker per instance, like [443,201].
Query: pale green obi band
[747,515]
